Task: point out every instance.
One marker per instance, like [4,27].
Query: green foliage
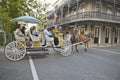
[10,9]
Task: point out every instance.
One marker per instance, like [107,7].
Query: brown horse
[84,39]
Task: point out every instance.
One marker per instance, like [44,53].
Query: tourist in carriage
[23,30]
[20,34]
[34,31]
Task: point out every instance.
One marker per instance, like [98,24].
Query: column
[100,5]
[100,32]
[68,7]
[118,35]
[114,10]
[112,35]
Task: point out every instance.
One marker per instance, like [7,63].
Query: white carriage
[16,50]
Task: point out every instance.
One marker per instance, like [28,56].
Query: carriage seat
[34,38]
[48,38]
[18,38]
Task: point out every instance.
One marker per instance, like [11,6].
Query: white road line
[33,70]
[106,51]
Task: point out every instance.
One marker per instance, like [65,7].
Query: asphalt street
[95,64]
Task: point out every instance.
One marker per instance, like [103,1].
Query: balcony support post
[100,5]
[77,7]
[68,7]
[112,31]
[114,9]
[61,14]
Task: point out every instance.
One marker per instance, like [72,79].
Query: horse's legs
[72,47]
[76,48]
[86,46]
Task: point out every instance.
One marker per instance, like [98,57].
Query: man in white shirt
[45,31]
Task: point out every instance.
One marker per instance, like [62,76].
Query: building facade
[102,17]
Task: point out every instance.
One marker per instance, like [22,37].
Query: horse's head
[91,35]
[88,34]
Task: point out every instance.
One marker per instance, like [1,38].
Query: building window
[118,14]
[109,12]
[82,7]
[118,11]
[98,5]
[82,10]
[109,9]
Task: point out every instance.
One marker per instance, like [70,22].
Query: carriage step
[37,52]
[54,46]
[37,49]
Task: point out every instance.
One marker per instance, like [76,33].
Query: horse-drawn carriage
[16,50]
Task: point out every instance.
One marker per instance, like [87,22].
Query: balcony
[90,16]
[112,1]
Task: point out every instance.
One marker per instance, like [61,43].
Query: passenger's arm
[20,34]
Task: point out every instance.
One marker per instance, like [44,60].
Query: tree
[10,9]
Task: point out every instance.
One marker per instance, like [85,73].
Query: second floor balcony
[90,16]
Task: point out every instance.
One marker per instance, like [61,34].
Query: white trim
[33,70]
[106,51]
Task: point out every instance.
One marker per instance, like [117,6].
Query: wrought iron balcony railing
[95,16]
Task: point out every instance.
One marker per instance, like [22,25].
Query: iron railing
[97,16]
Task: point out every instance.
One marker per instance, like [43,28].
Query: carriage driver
[20,34]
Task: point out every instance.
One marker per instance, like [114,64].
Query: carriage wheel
[15,51]
[66,49]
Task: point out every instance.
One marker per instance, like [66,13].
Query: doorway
[107,32]
[96,35]
[115,35]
